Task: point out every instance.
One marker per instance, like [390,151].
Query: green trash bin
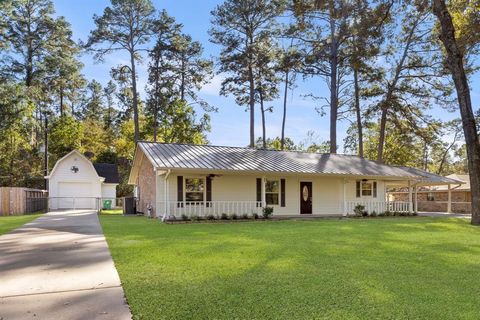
[107,204]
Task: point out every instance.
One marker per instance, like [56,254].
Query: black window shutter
[180,191]
[358,189]
[282,192]
[259,189]
[375,189]
[209,191]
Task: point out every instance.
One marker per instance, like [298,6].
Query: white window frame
[278,193]
[185,189]
[370,182]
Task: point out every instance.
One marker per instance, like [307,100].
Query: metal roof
[458,177]
[185,156]
[431,178]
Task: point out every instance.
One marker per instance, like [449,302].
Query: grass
[111,211]
[392,268]
[8,223]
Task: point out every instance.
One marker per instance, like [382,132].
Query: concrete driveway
[59,267]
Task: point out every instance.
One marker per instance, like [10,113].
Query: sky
[230,125]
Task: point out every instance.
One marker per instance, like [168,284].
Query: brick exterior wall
[147,188]
[440,201]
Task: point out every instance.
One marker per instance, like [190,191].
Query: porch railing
[204,208]
[378,206]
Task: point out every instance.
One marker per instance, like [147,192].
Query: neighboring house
[75,182]
[436,198]
[175,179]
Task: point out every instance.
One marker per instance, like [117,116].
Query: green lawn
[8,223]
[391,268]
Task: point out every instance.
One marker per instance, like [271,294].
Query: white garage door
[76,195]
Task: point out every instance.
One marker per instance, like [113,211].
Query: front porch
[204,209]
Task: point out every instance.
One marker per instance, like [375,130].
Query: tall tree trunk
[284,117]
[358,111]
[251,81]
[155,119]
[61,103]
[391,89]
[381,136]
[333,81]
[182,83]
[454,59]
[135,96]
[45,156]
[262,109]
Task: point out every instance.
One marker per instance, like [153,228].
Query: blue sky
[230,124]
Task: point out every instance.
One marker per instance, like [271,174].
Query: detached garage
[76,183]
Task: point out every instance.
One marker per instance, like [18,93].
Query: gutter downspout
[165,195]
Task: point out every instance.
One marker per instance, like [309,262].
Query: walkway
[59,267]
[445,215]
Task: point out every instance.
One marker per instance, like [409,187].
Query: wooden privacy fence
[18,201]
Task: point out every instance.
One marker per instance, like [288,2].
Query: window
[272,190]
[430,196]
[194,189]
[366,189]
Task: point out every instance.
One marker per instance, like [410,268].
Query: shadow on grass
[385,268]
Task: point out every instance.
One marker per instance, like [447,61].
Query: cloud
[213,87]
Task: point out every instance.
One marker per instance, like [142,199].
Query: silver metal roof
[431,178]
[184,156]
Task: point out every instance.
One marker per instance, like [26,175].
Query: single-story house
[76,183]
[441,198]
[171,180]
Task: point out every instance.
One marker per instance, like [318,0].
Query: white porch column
[410,200]
[449,204]
[165,196]
[264,198]
[416,199]
[344,198]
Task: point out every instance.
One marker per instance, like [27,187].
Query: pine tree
[238,26]
[455,63]
[125,25]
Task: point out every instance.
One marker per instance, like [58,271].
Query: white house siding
[65,185]
[327,197]
[109,190]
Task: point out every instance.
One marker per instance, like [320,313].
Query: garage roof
[108,171]
[185,156]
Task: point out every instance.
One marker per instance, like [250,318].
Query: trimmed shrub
[373,214]
[224,216]
[255,216]
[267,212]
[245,216]
[196,218]
[184,217]
[210,217]
[381,214]
[234,216]
[360,211]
